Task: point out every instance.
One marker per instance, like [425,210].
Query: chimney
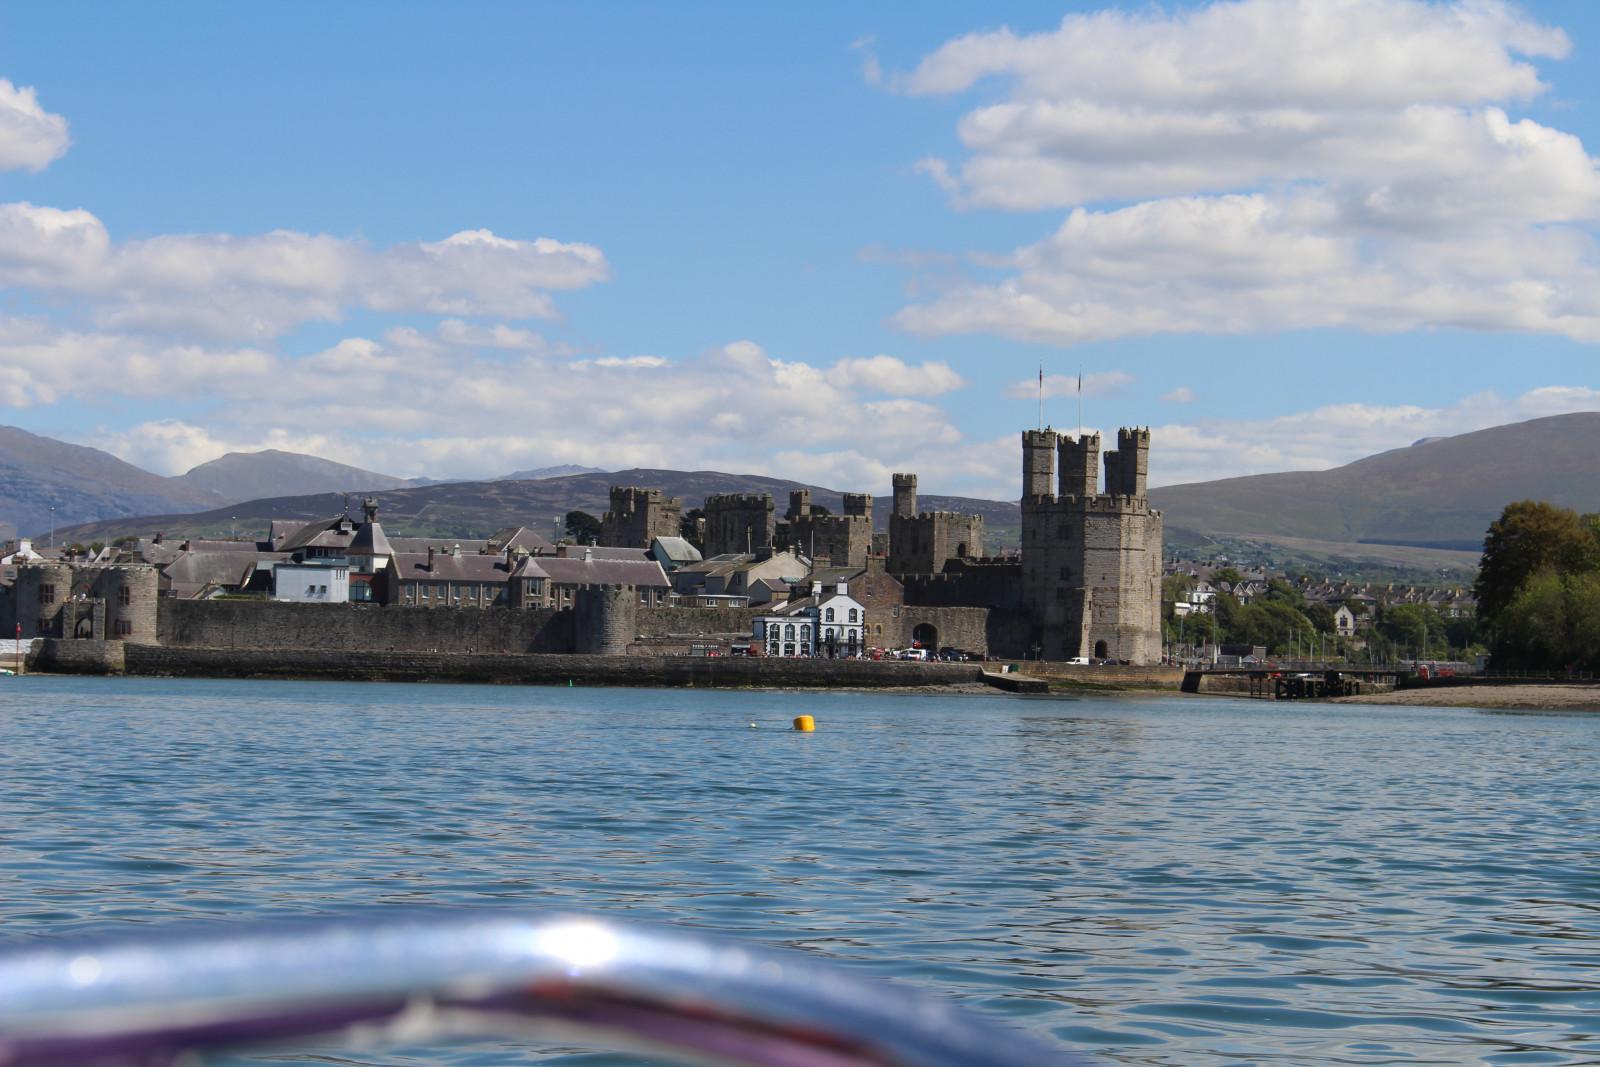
[588,553]
[816,589]
[455,552]
[843,588]
[430,559]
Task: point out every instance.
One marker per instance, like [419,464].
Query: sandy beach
[1550,697]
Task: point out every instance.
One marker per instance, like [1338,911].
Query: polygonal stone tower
[1091,560]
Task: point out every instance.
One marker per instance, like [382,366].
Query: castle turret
[858,505]
[1133,446]
[905,496]
[1038,463]
[1080,465]
[799,504]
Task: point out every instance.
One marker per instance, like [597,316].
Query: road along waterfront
[1144,879]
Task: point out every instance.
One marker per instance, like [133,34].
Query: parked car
[913,653]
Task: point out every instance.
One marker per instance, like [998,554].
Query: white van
[914,653]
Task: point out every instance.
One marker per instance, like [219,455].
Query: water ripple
[1152,881]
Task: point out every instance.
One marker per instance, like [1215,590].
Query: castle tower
[905,496]
[738,522]
[858,505]
[1080,465]
[131,593]
[1133,446]
[603,619]
[1091,561]
[1038,462]
[38,595]
[799,504]
[638,516]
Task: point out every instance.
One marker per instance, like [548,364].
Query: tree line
[1286,624]
[1538,588]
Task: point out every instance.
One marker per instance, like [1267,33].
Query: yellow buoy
[805,723]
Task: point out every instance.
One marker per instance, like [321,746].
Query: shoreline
[1567,697]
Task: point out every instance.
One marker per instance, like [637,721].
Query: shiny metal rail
[407,978]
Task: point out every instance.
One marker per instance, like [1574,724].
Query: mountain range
[1426,505]
[1441,492]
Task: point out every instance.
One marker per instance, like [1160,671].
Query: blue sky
[825,242]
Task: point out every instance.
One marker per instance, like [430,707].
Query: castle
[1087,583]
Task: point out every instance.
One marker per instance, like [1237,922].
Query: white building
[1344,621]
[315,581]
[831,624]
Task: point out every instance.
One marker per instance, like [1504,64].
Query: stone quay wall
[258,624]
[347,627]
[547,669]
[1107,674]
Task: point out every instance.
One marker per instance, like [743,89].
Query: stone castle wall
[359,627]
[365,627]
[923,543]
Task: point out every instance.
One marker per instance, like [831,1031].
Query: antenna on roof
[1080,400]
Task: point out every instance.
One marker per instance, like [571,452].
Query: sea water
[1151,880]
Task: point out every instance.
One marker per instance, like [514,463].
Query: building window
[853,615]
[830,615]
[47,594]
[124,627]
[323,590]
[1066,573]
[125,596]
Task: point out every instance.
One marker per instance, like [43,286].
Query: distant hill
[539,474]
[269,473]
[1441,492]
[469,509]
[38,473]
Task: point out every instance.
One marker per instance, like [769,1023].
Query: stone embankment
[116,657]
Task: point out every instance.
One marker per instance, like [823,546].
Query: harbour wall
[112,657]
[1106,674]
[256,624]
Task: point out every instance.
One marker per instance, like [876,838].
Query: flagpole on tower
[1080,400]
[1041,394]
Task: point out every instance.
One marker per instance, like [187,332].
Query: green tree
[1226,576]
[582,527]
[689,527]
[1529,536]
[1321,617]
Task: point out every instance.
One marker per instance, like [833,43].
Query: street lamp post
[52,527]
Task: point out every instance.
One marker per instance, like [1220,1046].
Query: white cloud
[1181,395]
[635,362]
[1291,164]
[886,374]
[224,285]
[30,137]
[1059,385]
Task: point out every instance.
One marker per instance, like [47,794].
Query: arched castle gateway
[1091,558]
